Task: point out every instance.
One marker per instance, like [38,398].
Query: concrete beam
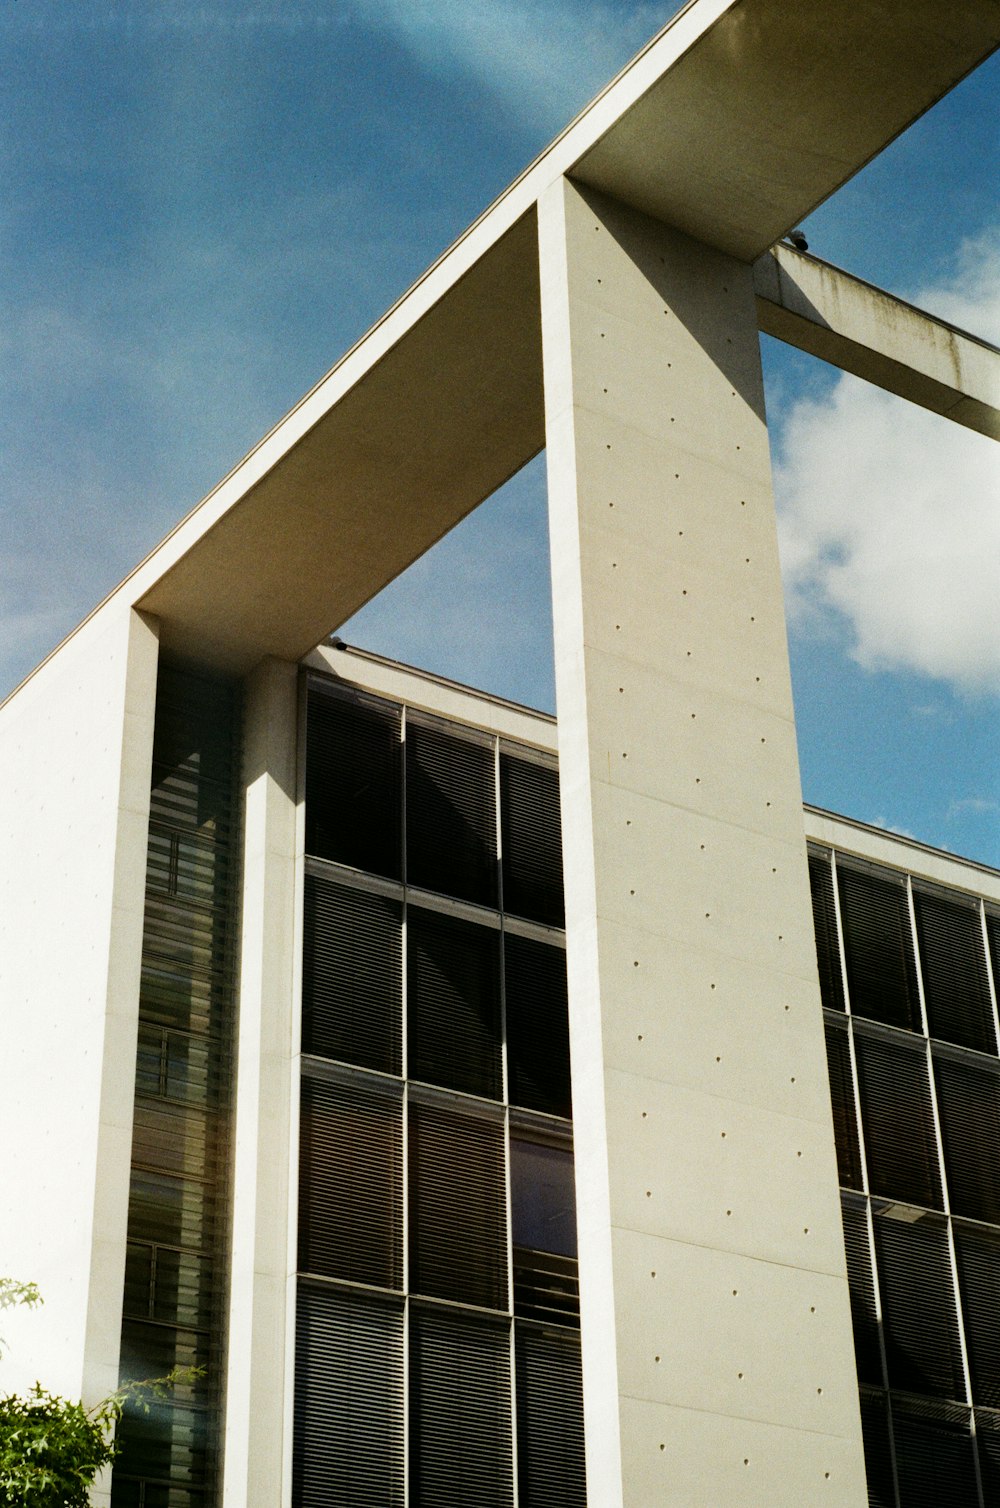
[861,329]
[732,124]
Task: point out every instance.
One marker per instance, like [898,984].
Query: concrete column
[718,1359]
[258,1378]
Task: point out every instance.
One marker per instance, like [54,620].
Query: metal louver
[550,1450]
[348,1433]
[532,840]
[353,794]
[458,1224]
[878,946]
[919,1319]
[460,1412]
[451,826]
[934,1457]
[453,1003]
[968,1095]
[900,1140]
[352,989]
[953,964]
[845,1121]
[978,1255]
[867,1349]
[350,1183]
[878,1452]
[831,983]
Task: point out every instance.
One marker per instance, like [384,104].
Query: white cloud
[542,58]
[890,516]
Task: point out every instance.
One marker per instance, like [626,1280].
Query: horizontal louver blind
[453,1003]
[348,1436]
[867,1350]
[350,1184]
[845,1123]
[918,1309]
[978,1255]
[953,962]
[353,796]
[550,1452]
[451,840]
[352,992]
[538,1067]
[460,1411]
[988,1443]
[532,840]
[458,1224]
[900,1140]
[878,947]
[969,1108]
[934,1460]
[831,983]
[878,1455]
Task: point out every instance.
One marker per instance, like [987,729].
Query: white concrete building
[151,951]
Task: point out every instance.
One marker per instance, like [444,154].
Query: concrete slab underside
[718,1355]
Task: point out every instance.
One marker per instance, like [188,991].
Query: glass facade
[177,1253]
[437,1358]
[907,972]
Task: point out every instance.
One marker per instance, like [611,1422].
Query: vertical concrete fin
[718,1365]
[257,1384]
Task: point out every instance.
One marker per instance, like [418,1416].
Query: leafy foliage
[51,1450]
[13,1292]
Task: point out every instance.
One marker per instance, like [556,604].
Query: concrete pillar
[718,1359]
[259,1385]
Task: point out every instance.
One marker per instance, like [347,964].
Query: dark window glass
[878,946]
[458,1224]
[175,1139]
[170,1442]
[934,1458]
[845,1123]
[350,1183]
[348,1433]
[169,1285]
[453,1003]
[460,1413]
[451,837]
[867,1350]
[173,1211]
[537,1025]
[831,982]
[550,1453]
[352,993]
[543,1229]
[352,784]
[532,840]
[899,1123]
[968,1096]
[978,1255]
[918,1309]
[956,986]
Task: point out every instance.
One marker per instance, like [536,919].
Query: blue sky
[206,203]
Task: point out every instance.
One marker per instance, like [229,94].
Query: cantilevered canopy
[734,123]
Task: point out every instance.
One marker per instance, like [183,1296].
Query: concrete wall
[75,756]
[718,1359]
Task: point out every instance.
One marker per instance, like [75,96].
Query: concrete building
[154,946]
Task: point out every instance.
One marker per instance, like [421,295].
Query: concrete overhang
[732,124]
[820,309]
